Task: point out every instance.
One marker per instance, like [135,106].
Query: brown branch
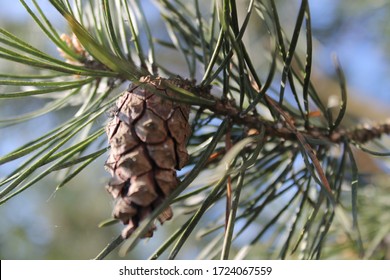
[361,134]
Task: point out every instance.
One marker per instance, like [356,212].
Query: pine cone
[148,137]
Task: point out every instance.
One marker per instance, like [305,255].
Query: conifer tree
[243,135]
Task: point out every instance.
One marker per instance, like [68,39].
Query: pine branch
[273,166]
[359,135]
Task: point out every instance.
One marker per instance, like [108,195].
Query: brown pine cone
[148,137]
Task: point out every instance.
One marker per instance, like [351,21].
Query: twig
[360,134]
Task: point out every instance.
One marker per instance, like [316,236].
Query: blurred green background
[44,224]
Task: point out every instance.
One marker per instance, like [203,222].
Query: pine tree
[256,146]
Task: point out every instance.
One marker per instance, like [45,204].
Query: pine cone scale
[150,128]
